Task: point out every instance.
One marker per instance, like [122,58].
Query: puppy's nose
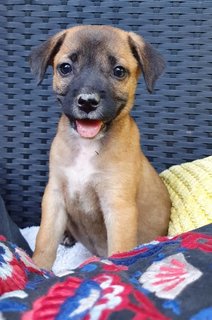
[88,102]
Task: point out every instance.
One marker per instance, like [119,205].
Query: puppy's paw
[42,262]
[68,239]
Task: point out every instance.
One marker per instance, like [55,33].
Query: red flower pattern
[168,277]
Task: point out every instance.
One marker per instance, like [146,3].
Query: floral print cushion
[166,279]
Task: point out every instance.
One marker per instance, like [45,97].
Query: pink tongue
[88,128]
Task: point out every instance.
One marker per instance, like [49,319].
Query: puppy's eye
[119,72]
[65,68]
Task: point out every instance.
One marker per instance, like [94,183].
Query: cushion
[190,189]
[165,279]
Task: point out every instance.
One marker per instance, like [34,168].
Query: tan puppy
[101,187]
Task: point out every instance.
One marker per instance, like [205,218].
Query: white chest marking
[81,172]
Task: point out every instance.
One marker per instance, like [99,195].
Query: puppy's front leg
[121,218]
[52,227]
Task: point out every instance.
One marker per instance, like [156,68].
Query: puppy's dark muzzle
[88,102]
[95,102]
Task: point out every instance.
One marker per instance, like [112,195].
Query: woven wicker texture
[175,121]
[190,189]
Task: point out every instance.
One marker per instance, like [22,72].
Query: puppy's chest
[80,177]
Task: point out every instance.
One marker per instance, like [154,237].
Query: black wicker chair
[175,121]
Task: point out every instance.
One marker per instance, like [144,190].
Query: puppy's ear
[42,56]
[150,61]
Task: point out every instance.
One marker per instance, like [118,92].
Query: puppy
[101,187]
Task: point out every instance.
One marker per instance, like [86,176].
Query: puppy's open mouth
[87,128]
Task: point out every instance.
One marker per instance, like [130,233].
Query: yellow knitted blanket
[190,189]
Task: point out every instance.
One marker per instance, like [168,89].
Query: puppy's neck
[92,144]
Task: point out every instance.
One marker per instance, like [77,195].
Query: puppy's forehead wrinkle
[112,59]
[87,51]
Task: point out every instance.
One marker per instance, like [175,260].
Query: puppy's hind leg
[53,224]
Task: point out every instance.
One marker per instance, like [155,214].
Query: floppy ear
[150,61]
[42,56]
